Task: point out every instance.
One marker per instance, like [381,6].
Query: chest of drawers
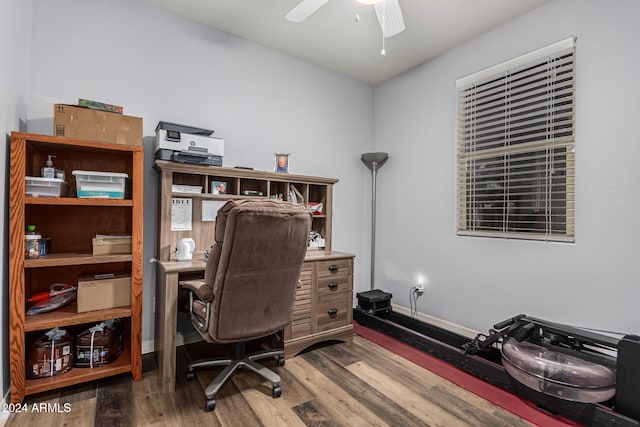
[324,302]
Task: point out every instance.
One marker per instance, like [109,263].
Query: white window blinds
[516,147]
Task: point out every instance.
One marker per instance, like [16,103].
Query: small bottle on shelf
[32,243]
[48,171]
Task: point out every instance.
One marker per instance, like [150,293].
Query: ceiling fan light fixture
[387,11]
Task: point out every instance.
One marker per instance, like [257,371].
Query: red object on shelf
[316,208]
[54,290]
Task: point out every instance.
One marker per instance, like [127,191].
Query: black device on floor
[375,302]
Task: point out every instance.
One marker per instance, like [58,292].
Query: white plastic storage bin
[46,187]
[107,185]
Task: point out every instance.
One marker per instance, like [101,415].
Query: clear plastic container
[32,243]
[558,374]
[46,187]
[91,184]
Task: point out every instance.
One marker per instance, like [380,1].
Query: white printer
[187,144]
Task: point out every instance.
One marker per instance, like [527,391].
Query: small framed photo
[282,162]
[218,187]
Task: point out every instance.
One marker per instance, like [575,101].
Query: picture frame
[218,187]
[282,162]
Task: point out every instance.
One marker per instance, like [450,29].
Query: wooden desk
[323,307]
[167,316]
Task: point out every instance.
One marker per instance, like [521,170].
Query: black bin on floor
[375,302]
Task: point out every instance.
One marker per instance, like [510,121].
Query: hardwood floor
[359,384]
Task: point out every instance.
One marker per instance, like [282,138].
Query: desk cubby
[240,184]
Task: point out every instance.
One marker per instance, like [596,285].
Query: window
[516,147]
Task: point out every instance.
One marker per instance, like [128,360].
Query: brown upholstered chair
[249,286]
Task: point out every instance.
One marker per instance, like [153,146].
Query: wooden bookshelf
[71,223]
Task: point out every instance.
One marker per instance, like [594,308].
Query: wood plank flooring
[358,384]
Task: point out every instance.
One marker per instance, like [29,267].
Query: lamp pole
[373,161]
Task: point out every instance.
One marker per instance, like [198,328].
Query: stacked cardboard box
[100,292]
[111,245]
[85,123]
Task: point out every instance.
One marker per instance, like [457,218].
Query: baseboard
[444,324]
[181,339]
[190,337]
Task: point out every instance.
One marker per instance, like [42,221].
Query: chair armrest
[199,288]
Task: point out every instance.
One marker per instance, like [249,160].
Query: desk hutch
[324,300]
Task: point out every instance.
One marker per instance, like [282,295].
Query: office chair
[249,287]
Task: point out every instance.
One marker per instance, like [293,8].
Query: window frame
[537,154]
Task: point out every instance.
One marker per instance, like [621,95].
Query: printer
[187,144]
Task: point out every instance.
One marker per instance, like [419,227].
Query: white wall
[161,67]
[15,44]
[476,282]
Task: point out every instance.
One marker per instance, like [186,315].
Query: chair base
[240,359]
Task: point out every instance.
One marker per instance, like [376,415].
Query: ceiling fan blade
[304,9]
[393,20]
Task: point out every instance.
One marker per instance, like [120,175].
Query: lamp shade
[374,160]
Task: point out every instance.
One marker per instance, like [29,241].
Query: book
[95,105]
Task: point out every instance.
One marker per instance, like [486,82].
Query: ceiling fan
[388,13]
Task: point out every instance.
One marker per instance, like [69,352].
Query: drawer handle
[333,268]
[332,311]
[333,285]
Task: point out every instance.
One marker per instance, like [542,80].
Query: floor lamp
[373,161]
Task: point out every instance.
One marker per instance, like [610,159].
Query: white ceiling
[332,38]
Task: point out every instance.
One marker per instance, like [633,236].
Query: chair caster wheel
[280,360]
[276,391]
[210,405]
[191,374]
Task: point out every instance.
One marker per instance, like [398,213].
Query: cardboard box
[84,123]
[102,293]
[111,246]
